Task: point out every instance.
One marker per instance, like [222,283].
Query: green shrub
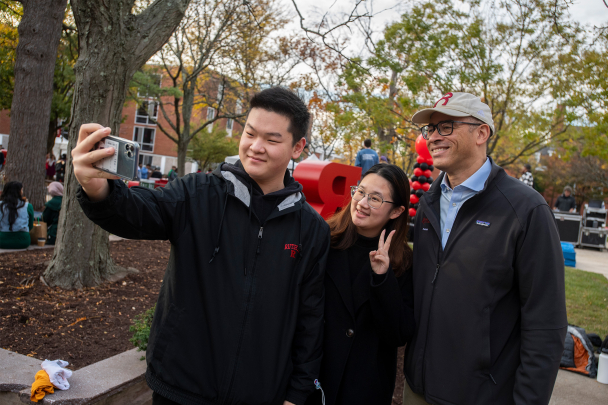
[141,329]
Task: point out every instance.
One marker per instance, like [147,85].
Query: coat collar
[431,198]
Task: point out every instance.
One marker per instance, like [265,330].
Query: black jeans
[160,400]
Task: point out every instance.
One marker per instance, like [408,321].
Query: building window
[239,106]
[210,113]
[145,138]
[145,160]
[147,112]
[229,124]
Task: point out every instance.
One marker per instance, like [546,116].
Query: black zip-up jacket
[239,316]
[490,308]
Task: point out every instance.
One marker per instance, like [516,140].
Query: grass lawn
[587,301]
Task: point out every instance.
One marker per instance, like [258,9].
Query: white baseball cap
[457,105]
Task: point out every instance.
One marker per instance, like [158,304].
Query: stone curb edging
[115,380]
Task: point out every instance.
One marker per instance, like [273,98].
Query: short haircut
[478,121]
[367,143]
[528,167]
[286,103]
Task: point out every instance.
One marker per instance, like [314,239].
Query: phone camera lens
[130,154]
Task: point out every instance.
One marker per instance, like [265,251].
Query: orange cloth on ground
[41,386]
[581,357]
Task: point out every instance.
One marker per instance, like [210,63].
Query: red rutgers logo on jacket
[294,249]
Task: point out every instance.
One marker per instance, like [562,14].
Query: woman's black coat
[365,322]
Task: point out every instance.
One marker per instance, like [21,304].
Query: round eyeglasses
[373,200]
[444,128]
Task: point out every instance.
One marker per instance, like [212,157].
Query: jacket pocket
[166,334]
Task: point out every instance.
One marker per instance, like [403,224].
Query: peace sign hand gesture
[379,258]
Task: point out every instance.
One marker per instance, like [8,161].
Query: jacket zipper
[238,350]
[257,251]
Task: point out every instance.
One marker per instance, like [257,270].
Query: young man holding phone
[240,313]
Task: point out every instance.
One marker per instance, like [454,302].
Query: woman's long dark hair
[12,200]
[344,232]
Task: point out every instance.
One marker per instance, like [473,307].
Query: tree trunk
[113,44]
[39,34]
[182,153]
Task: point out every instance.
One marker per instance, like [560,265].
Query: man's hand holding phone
[93,181]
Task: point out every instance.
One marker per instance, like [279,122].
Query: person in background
[526,175]
[566,201]
[50,167]
[366,157]
[16,217]
[139,171]
[172,173]
[383,160]
[50,215]
[60,168]
[144,172]
[156,174]
[1,158]
[369,299]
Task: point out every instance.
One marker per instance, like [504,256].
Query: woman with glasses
[368,292]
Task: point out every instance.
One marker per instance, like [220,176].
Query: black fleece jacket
[239,316]
[490,308]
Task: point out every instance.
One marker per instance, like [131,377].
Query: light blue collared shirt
[452,200]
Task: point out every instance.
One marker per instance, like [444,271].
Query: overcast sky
[588,12]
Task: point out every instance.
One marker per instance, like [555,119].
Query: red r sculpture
[326,185]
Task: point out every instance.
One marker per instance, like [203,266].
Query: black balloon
[421,179]
[429,180]
[415,206]
[414,178]
[412,191]
[416,165]
[431,167]
[420,192]
[424,166]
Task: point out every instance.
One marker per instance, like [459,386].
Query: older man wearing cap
[488,273]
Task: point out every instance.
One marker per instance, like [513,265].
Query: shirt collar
[476,182]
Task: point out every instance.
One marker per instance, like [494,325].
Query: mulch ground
[79,326]
[88,325]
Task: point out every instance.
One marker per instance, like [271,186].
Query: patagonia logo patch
[482,223]
[425,220]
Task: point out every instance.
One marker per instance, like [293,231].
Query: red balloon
[410,182]
[416,185]
[421,147]
[430,160]
[426,173]
[418,172]
[426,186]
[412,212]
[420,159]
[414,198]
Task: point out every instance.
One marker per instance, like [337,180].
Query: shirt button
[447,231]
[453,204]
[350,333]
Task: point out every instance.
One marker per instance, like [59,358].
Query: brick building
[156,148]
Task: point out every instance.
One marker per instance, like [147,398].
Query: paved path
[592,260]
[573,389]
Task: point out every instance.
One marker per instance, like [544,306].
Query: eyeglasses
[373,200]
[444,128]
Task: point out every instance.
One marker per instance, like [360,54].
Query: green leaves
[141,329]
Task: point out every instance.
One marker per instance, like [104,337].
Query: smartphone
[123,163]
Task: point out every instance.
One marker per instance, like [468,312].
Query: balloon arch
[421,181]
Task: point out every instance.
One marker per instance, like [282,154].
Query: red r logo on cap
[444,98]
